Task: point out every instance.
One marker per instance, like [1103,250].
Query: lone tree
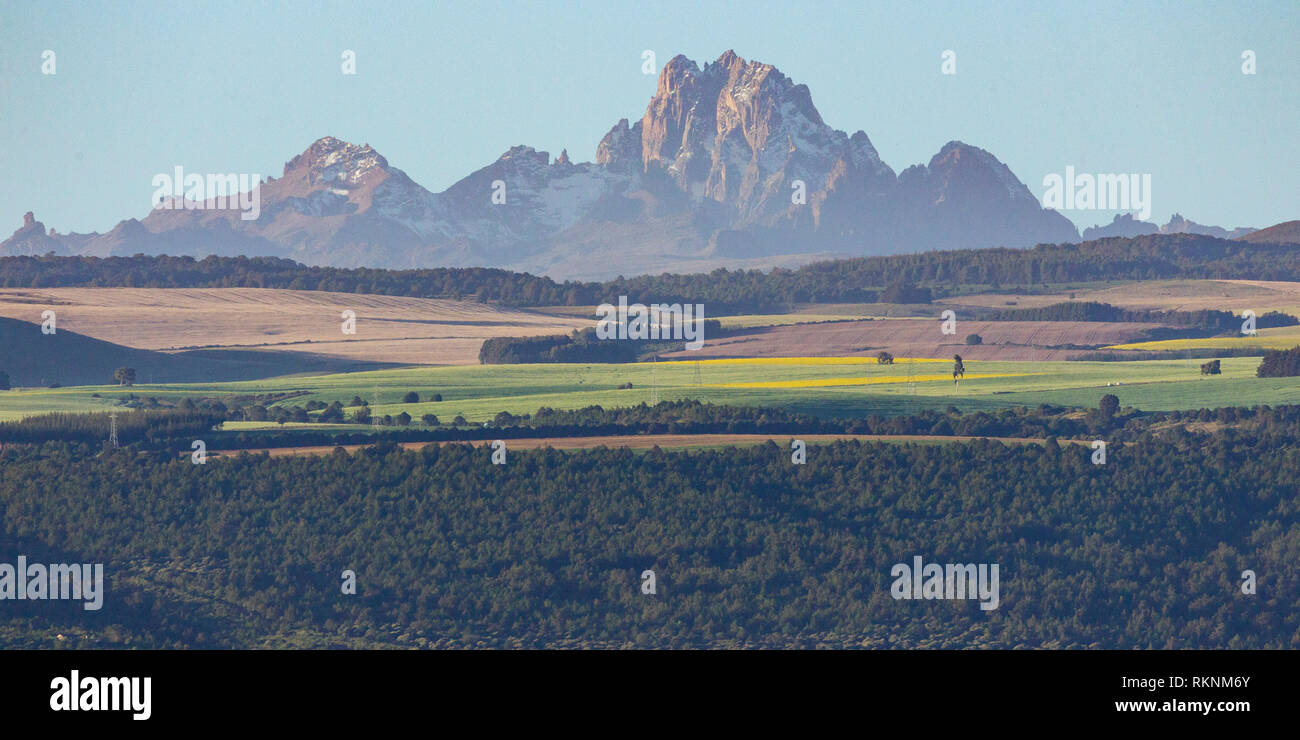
[974,339]
[411,397]
[429,420]
[403,419]
[884,358]
[1211,368]
[1109,405]
[124,375]
[958,369]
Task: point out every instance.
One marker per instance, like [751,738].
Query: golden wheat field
[388,328]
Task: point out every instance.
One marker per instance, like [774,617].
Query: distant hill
[67,358]
[1287,232]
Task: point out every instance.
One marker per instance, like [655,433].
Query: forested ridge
[905,277]
[449,550]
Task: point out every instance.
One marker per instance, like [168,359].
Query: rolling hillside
[68,358]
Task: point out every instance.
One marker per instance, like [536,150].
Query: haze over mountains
[707,177]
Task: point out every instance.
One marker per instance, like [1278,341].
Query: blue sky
[444,88]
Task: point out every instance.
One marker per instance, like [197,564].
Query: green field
[821,386]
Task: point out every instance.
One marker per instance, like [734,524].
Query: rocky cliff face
[730,164]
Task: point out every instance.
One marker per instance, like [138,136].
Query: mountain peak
[729,58]
[30,238]
[958,157]
[330,159]
[526,155]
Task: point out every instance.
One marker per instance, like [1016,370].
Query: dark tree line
[136,426]
[580,346]
[908,278]
[1281,363]
[1206,319]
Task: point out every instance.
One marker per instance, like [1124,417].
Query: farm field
[918,337]
[1179,295]
[1281,337]
[391,329]
[805,314]
[821,386]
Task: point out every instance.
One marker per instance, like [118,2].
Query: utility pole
[654,382]
[374,415]
[112,428]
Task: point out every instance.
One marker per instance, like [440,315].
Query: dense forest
[903,278]
[449,550]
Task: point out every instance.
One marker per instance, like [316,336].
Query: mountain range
[730,165]
[1125,225]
